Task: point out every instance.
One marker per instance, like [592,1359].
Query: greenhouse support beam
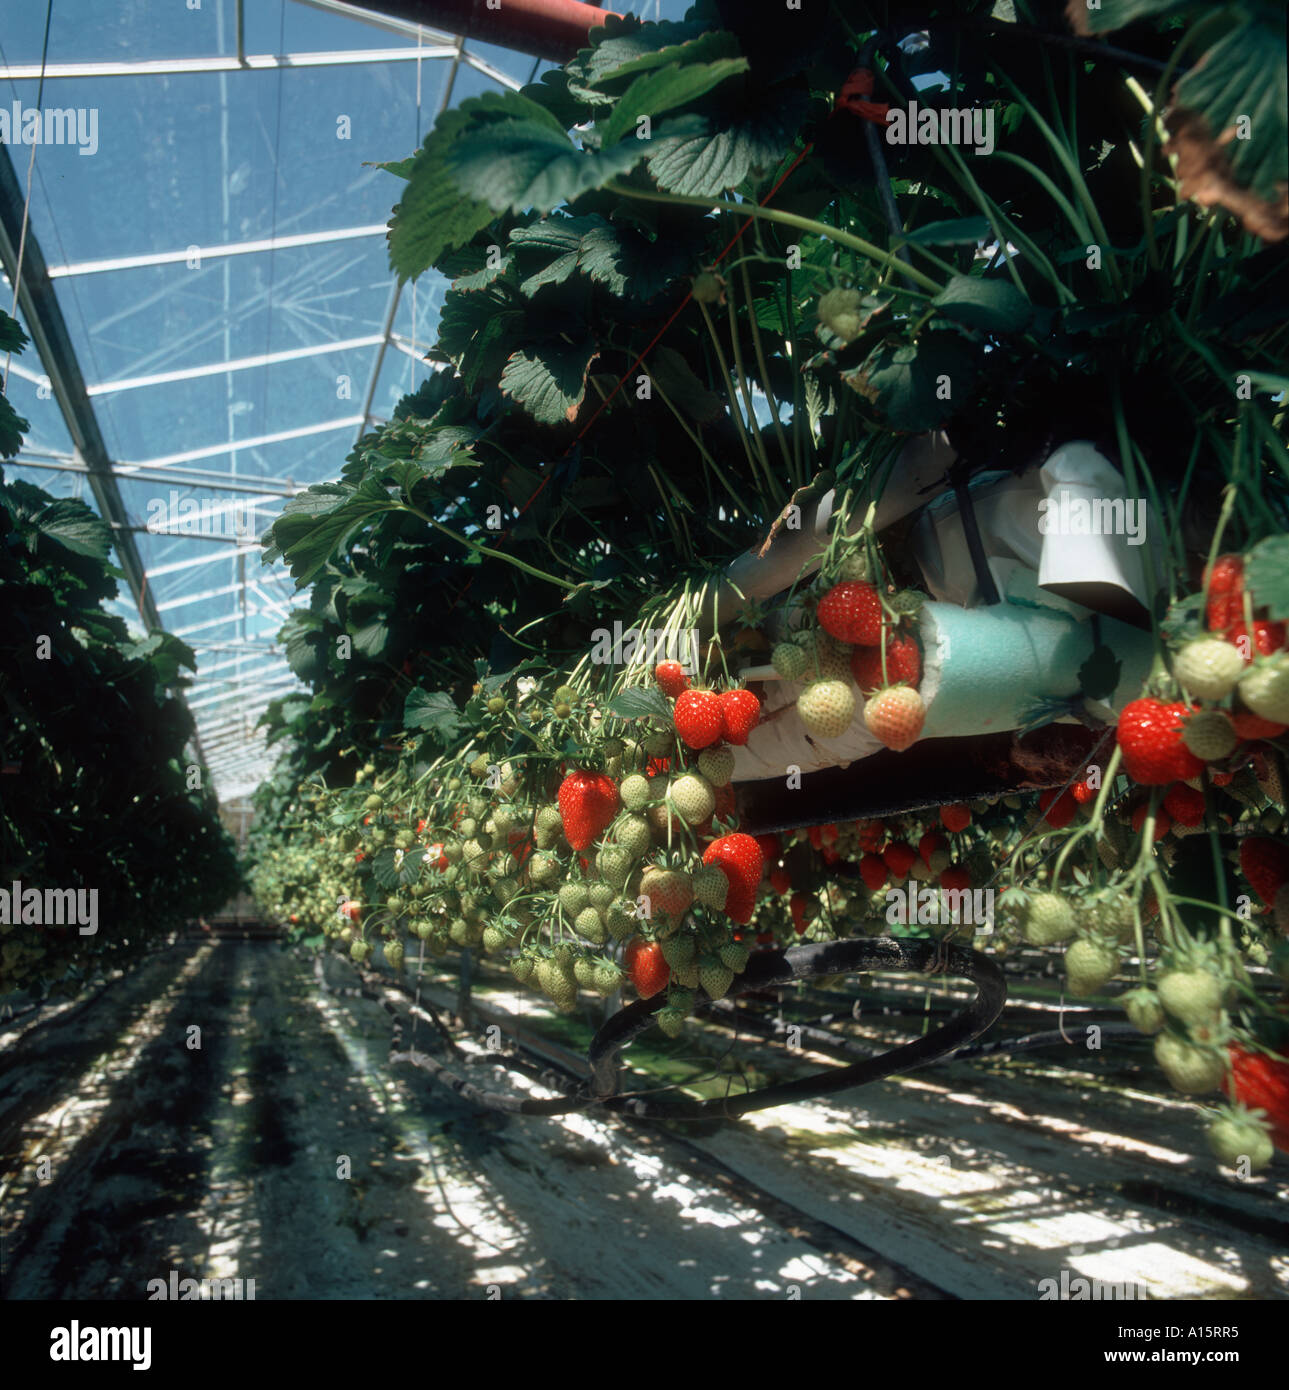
[549,29]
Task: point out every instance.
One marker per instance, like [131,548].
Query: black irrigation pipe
[802,962]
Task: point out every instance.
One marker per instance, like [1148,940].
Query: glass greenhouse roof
[214,235]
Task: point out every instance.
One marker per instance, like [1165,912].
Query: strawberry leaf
[993,306]
[640,702]
[1266,574]
[663,90]
[435,713]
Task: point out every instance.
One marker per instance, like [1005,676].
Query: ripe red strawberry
[903,665]
[1251,726]
[588,801]
[699,718]
[873,870]
[955,818]
[741,711]
[929,843]
[1262,1083]
[1082,793]
[1184,804]
[830,856]
[955,877]
[657,767]
[646,966]
[671,677]
[899,857]
[420,827]
[1268,637]
[1265,863]
[780,880]
[798,904]
[1163,821]
[434,856]
[815,834]
[740,860]
[1225,588]
[1058,807]
[828,833]
[872,835]
[1150,734]
[852,612]
[771,850]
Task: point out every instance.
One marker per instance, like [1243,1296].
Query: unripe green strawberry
[842,312]
[633,759]
[544,869]
[1265,688]
[1209,668]
[494,940]
[601,895]
[717,765]
[1049,920]
[376,837]
[687,975]
[452,851]
[671,1021]
[614,863]
[633,834]
[635,792]
[394,904]
[373,803]
[714,977]
[423,928]
[659,744]
[522,967]
[1089,967]
[706,288]
[1236,1137]
[590,926]
[1193,1070]
[549,818]
[565,694]
[1193,997]
[790,661]
[827,659]
[1145,1012]
[573,897]
[693,798]
[711,887]
[584,972]
[459,931]
[608,978]
[360,950]
[734,957]
[826,708]
[908,602]
[561,985]
[681,999]
[854,567]
[679,951]
[404,839]
[564,954]
[479,767]
[1113,913]
[621,924]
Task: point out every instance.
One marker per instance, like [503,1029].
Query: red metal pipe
[550,29]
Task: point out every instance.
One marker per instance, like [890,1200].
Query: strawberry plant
[690,299]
